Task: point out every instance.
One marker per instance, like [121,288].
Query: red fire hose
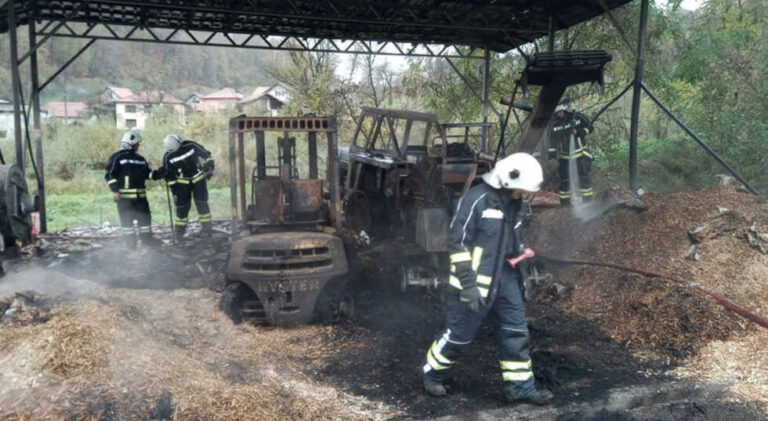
[730,305]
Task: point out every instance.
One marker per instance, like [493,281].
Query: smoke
[49,283]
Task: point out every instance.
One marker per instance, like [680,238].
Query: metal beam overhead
[501,26]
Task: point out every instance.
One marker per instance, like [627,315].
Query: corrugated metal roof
[501,25]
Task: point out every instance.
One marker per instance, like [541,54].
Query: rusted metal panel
[432,229]
[268,206]
[456,173]
[284,124]
[307,193]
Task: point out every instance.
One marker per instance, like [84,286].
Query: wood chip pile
[652,316]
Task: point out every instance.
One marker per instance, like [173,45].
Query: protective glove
[465,274]
[472,298]
[158,174]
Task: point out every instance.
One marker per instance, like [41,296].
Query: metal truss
[103,31]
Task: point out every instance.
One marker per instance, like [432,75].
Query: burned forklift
[403,177]
[287,263]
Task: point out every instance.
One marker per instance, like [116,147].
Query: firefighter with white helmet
[187,166]
[568,144]
[485,231]
[126,176]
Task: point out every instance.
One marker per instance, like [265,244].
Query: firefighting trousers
[583,168]
[512,337]
[131,210]
[184,194]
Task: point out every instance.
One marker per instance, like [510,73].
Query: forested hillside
[138,66]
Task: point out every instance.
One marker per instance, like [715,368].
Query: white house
[194,102]
[265,98]
[133,111]
[6,120]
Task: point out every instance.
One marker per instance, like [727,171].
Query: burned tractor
[402,179]
[16,207]
[287,264]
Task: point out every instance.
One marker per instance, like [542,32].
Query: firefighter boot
[147,239]
[434,388]
[565,202]
[513,394]
[179,231]
[130,241]
[206,229]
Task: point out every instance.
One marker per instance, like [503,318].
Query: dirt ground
[114,335]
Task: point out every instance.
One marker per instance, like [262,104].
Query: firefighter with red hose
[485,231]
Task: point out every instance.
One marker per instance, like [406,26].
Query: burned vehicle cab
[287,264]
[403,177]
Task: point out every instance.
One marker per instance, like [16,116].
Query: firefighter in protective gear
[485,231]
[126,175]
[187,166]
[569,145]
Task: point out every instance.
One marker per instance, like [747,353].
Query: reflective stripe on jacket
[127,173]
[187,164]
[475,234]
[560,136]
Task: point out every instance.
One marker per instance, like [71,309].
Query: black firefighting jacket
[127,172]
[187,164]
[475,236]
[560,137]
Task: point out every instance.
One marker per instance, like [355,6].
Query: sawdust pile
[144,354]
[715,237]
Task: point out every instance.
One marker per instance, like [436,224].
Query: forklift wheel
[232,300]
[336,302]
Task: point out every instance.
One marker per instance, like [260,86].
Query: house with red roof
[112,93]
[133,110]
[222,99]
[68,112]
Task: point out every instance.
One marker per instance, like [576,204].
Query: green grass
[71,210]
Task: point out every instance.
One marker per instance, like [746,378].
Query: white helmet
[561,107]
[172,142]
[519,171]
[130,138]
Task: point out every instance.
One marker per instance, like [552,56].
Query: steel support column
[634,125]
[16,84]
[486,82]
[37,133]
[551,38]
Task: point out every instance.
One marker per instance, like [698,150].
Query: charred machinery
[16,206]
[287,263]
[402,179]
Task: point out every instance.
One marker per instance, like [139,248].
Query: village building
[265,100]
[67,112]
[133,111]
[222,99]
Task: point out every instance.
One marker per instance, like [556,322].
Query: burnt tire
[233,299]
[336,302]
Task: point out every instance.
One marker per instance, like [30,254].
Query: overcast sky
[398,64]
